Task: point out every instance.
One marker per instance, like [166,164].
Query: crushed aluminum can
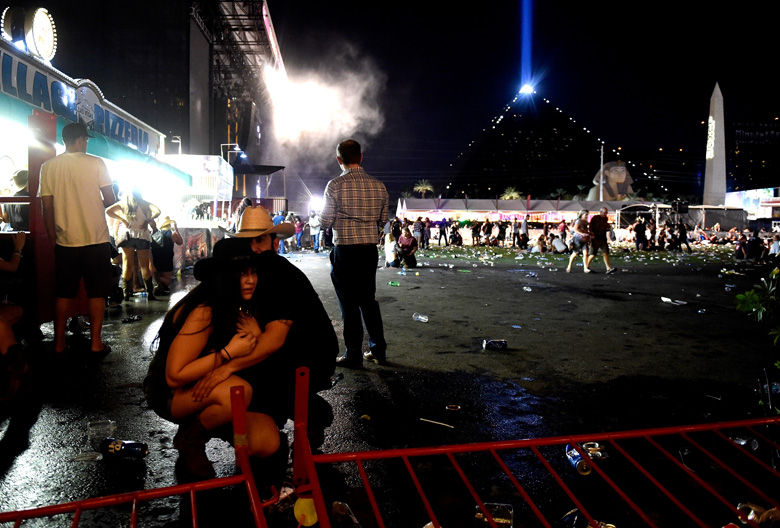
[503,515]
[494,344]
[577,461]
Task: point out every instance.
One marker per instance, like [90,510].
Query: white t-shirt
[74,180]
[314,225]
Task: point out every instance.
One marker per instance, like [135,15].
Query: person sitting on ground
[740,250]
[407,247]
[209,327]
[661,240]
[13,363]
[163,241]
[716,228]
[557,245]
[756,250]
[541,245]
[391,252]
[580,241]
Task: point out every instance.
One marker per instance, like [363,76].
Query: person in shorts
[579,241]
[599,229]
[75,191]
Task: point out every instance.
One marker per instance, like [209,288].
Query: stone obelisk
[715,168]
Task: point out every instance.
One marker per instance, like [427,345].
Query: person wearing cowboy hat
[211,327]
[163,241]
[297,330]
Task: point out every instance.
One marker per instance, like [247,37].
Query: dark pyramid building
[531,146]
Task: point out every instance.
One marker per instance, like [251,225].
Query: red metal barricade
[245,478]
[720,471]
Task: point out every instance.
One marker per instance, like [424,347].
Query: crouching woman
[209,327]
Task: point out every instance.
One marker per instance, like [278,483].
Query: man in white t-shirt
[75,191]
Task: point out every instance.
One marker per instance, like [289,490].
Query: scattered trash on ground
[676,302]
[494,344]
[436,423]
[420,317]
[132,318]
[502,514]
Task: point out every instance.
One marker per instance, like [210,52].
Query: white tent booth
[537,211]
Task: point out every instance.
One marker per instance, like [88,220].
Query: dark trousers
[353,272]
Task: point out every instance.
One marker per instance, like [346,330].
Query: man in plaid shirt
[356,205]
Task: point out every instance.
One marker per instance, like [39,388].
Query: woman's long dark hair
[134,200]
[221,293]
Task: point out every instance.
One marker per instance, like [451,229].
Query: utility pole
[601,175]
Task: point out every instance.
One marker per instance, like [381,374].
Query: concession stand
[36,102]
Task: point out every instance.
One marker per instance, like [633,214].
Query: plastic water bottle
[393,283]
[113,448]
[420,317]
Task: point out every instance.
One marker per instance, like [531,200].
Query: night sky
[638,74]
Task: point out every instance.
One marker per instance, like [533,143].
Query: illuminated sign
[755,202]
[47,89]
[710,138]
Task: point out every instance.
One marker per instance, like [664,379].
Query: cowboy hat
[256,221]
[166,223]
[229,255]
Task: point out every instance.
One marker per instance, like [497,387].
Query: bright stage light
[312,106]
[527,89]
[315,203]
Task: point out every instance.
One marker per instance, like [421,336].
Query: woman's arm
[269,342]
[114,212]
[184,366]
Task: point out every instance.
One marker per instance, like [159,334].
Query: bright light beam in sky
[526,23]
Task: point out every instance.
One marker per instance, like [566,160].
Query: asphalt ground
[585,353]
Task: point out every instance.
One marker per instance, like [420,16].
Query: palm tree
[510,193]
[423,186]
[406,194]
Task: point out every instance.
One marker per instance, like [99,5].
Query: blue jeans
[298,239]
[315,239]
[353,273]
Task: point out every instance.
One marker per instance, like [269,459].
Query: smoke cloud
[314,109]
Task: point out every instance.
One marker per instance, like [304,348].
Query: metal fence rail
[245,478]
[698,475]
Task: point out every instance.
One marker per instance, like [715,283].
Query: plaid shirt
[355,206]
